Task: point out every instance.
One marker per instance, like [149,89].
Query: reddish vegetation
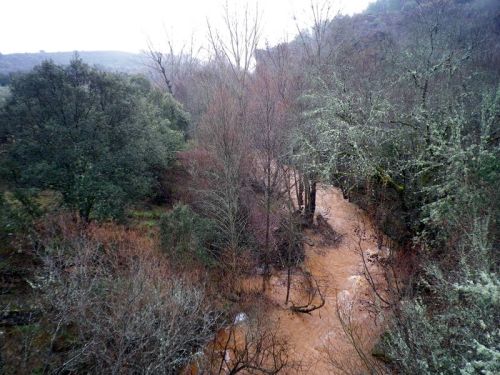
[318,341]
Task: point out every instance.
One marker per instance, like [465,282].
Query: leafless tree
[221,197]
[268,114]
[251,347]
[223,132]
[234,44]
[317,43]
[171,66]
[124,312]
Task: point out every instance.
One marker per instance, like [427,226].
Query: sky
[127,25]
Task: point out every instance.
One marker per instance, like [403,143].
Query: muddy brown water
[318,340]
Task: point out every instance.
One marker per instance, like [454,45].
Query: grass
[147,216]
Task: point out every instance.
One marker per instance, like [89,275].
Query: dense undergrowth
[125,223]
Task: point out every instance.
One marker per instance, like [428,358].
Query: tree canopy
[100,139]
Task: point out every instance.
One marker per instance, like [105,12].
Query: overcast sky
[126,25]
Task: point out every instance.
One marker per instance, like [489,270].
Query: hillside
[327,205]
[108,60]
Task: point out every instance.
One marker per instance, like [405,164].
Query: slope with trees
[397,107]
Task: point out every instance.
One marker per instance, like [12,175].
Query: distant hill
[108,60]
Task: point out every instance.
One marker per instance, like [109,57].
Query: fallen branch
[310,307]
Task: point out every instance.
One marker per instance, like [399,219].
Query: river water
[319,342]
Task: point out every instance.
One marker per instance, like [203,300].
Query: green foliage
[148,217]
[100,139]
[461,334]
[340,139]
[427,131]
[17,212]
[185,236]
[163,105]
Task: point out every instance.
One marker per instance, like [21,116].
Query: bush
[185,236]
[18,210]
[452,328]
[120,310]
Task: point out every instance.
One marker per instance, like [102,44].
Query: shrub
[185,236]
[18,210]
[120,310]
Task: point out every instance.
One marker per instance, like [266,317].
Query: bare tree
[223,130]
[269,130]
[316,43]
[251,347]
[123,309]
[235,44]
[221,197]
[171,65]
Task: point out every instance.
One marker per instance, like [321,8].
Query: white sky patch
[126,25]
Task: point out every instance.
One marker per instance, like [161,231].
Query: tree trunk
[306,194]
[288,284]
[300,194]
[312,199]
[311,203]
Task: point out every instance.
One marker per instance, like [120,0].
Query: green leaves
[186,235]
[100,139]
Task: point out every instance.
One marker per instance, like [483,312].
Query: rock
[241,318]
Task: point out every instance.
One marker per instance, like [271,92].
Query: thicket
[188,237]
[409,129]
[110,304]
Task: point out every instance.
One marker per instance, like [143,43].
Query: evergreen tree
[100,139]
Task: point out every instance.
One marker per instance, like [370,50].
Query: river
[318,340]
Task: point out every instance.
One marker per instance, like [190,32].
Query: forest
[325,205]
[126,62]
